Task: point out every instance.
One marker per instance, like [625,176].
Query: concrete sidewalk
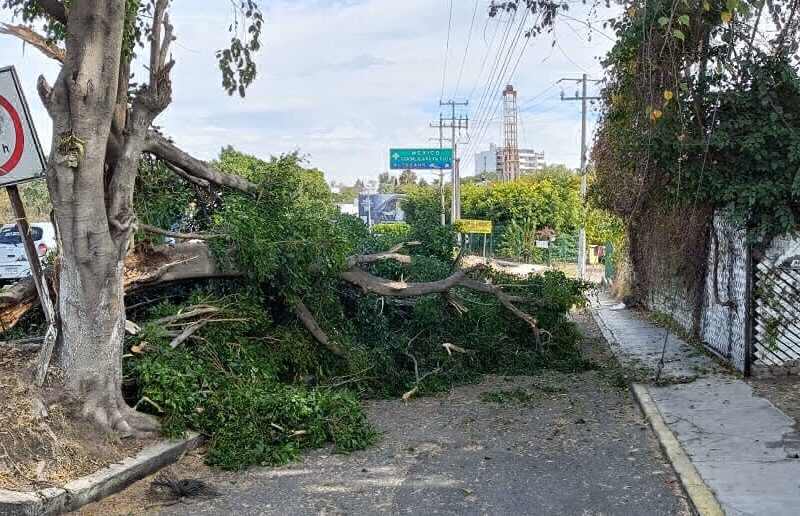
[744,448]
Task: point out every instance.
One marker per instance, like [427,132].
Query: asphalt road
[577,446]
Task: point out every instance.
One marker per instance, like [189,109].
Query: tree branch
[55,9]
[377,285]
[34,39]
[501,296]
[357,259]
[305,316]
[384,287]
[45,92]
[202,183]
[175,234]
[155,37]
[170,153]
[150,101]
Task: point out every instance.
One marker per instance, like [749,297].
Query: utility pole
[584,106]
[440,126]
[453,123]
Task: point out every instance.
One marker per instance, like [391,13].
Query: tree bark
[91,224]
[177,158]
[145,268]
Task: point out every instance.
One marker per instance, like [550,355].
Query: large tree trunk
[91,309]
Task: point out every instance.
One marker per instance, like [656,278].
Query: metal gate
[724,319]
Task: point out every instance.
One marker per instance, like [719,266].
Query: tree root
[116,416]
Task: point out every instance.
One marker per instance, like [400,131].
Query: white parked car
[13,264]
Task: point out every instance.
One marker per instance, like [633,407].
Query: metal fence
[564,249]
[777,314]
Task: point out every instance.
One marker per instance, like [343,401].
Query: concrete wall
[725,300]
[675,301]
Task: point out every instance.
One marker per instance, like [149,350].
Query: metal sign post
[22,159]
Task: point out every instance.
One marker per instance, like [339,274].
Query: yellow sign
[474,226]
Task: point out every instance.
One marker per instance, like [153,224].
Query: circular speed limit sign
[21,156]
[12,137]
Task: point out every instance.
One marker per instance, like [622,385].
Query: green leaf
[678,34]
[683,19]
[663,21]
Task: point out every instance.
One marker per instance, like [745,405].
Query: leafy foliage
[551,199]
[712,121]
[236,62]
[259,385]
[235,384]
[519,241]
[291,235]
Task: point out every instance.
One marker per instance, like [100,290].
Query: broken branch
[34,39]
[169,152]
[189,313]
[185,334]
[175,234]
[358,259]
[305,316]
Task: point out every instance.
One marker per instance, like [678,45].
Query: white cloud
[342,81]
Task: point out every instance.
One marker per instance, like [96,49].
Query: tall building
[492,160]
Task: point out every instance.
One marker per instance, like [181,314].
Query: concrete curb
[100,484]
[700,496]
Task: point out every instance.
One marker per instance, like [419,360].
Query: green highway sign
[420,159]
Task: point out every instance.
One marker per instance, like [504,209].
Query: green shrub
[519,242]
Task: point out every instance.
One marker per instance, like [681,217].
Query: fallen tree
[113,178]
[155,267]
[145,267]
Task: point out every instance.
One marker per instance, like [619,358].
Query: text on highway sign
[420,159]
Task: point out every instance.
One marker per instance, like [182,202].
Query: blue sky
[342,81]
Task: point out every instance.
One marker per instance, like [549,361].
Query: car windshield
[12,236]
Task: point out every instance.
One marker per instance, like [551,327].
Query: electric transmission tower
[510,140]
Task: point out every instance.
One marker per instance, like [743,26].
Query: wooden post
[46,351]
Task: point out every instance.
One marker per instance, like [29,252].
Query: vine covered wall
[700,108]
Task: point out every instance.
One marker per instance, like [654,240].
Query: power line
[447,48]
[495,79]
[486,125]
[466,47]
[495,66]
[483,63]
[530,100]
[494,85]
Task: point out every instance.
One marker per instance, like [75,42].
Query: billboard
[380,208]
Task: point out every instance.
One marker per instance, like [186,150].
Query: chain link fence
[562,250]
